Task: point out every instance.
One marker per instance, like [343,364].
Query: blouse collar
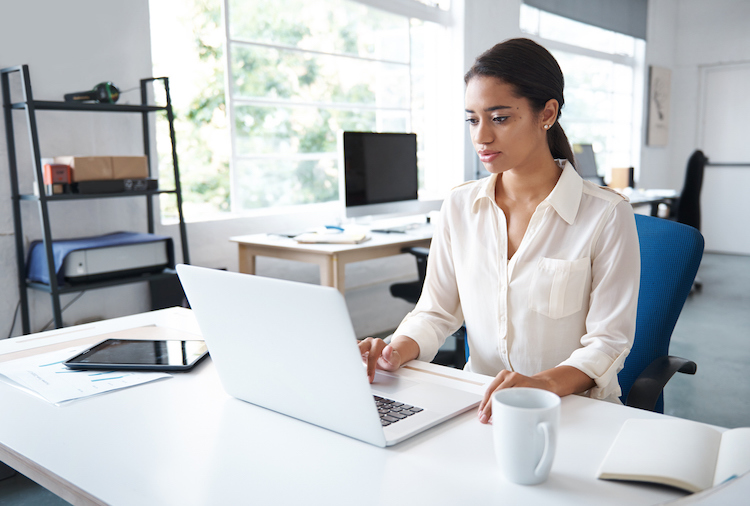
[565,197]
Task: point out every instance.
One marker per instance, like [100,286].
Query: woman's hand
[389,357]
[506,379]
[562,380]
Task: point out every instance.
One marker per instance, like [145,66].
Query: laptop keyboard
[391,411]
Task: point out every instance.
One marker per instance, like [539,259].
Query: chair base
[697,285]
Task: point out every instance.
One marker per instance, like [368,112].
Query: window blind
[622,16]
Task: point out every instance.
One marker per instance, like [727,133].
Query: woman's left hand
[507,379]
[562,380]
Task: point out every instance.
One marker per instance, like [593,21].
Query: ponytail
[559,145]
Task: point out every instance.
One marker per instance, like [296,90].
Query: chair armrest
[417,251]
[648,386]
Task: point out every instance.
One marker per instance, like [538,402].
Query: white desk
[184,441]
[331,258]
[641,197]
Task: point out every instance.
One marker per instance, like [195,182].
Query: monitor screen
[378,169]
[586,163]
[585,160]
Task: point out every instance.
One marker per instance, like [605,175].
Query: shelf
[80,287]
[46,105]
[31,107]
[85,196]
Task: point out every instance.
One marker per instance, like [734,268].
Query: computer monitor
[586,163]
[378,173]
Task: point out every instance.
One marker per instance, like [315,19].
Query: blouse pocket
[558,286]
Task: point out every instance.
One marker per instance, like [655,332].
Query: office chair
[410,292]
[670,255]
[688,208]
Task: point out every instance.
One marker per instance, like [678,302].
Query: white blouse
[567,297]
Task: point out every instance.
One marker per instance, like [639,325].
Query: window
[268,84]
[603,85]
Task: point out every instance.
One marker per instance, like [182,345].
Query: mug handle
[548,454]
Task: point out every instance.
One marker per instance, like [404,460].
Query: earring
[546,127]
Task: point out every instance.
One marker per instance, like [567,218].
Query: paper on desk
[47,376]
[332,238]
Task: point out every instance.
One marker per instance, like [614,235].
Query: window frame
[637,62]
[407,8]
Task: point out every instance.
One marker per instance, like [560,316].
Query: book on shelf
[680,453]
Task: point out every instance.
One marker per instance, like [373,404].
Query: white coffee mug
[524,424]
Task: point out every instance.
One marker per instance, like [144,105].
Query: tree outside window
[296,72]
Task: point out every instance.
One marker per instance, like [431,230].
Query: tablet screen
[164,355]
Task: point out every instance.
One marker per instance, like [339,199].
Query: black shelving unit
[31,106]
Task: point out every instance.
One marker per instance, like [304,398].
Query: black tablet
[140,355]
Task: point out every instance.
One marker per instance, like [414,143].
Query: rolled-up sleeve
[610,322]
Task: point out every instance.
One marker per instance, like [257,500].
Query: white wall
[70,51]
[71,46]
[661,52]
[684,36]
[706,34]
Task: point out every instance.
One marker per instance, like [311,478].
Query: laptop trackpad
[390,384]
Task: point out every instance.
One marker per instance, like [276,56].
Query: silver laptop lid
[273,343]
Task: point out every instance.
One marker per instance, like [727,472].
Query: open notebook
[680,453]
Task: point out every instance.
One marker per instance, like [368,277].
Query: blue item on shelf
[37,264]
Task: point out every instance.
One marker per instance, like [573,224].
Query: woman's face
[506,133]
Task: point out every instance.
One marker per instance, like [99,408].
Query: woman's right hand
[376,354]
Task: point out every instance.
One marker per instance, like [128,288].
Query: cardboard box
[622,177]
[129,167]
[87,168]
[99,168]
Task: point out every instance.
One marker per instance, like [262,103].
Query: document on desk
[46,375]
[332,238]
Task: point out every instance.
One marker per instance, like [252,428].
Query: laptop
[290,347]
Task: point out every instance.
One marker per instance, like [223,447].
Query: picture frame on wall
[659,94]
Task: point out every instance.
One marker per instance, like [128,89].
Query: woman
[542,266]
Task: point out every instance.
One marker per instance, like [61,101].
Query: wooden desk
[184,441]
[331,258]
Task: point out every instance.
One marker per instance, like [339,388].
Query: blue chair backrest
[670,255]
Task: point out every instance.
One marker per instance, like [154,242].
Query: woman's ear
[550,111]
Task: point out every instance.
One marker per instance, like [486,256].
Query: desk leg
[247,260]
[339,280]
[332,273]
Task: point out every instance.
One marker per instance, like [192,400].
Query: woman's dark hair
[535,75]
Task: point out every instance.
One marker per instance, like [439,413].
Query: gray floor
[713,330]
[21,491]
